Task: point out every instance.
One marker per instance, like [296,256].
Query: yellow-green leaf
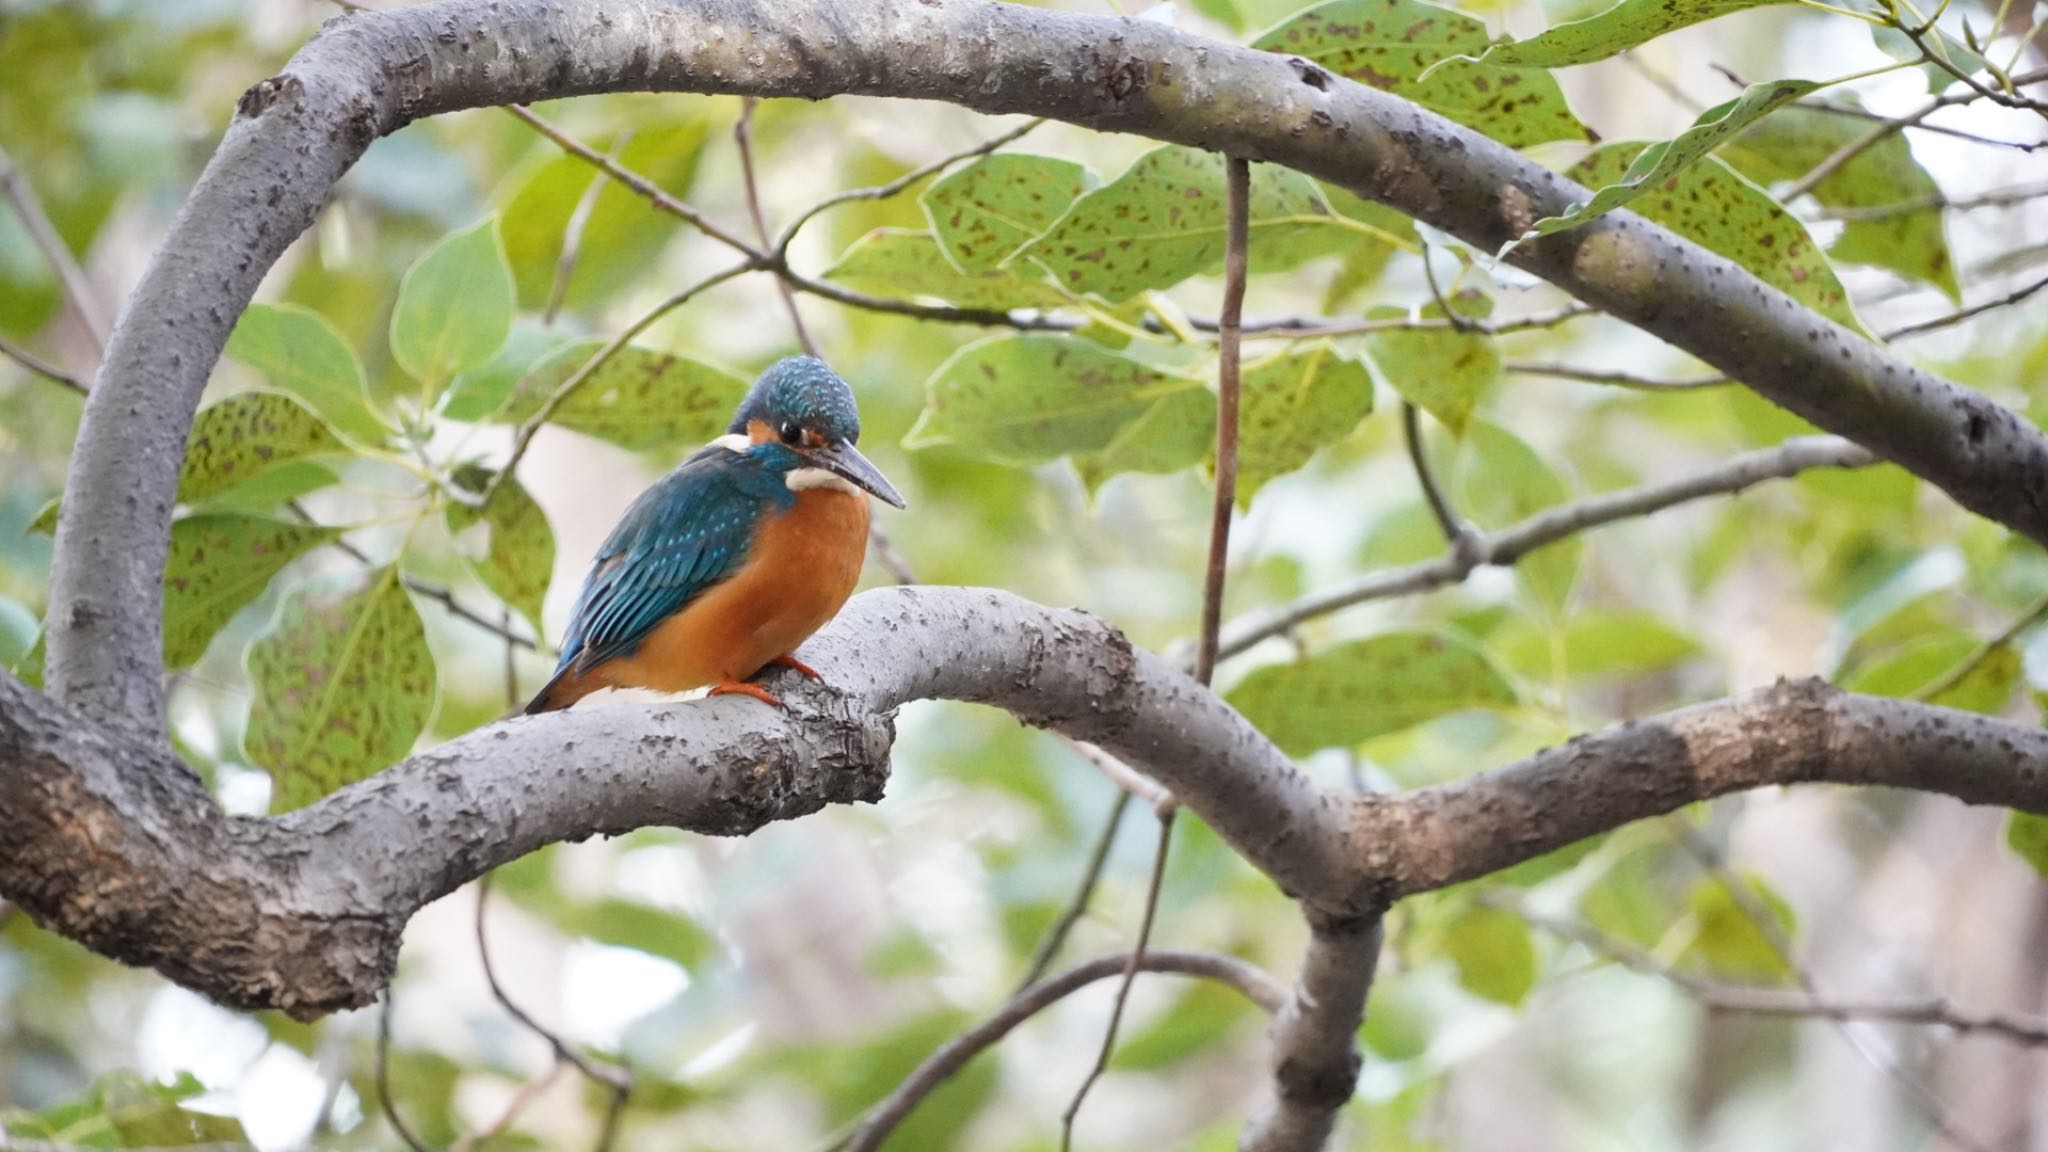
[1407,47]
[1366,688]
[904,265]
[1292,405]
[639,398]
[248,435]
[1728,941]
[1494,954]
[1986,687]
[218,563]
[517,557]
[1502,480]
[2026,833]
[301,353]
[344,683]
[454,307]
[983,213]
[1443,371]
[1591,645]
[1610,32]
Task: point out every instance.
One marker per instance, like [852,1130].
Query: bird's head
[800,416]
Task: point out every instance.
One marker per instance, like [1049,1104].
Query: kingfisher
[728,563]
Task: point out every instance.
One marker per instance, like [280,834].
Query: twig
[1961,315]
[633,180]
[1077,905]
[1517,540]
[885,551]
[1258,987]
[1617,379]
[572,232]
[743,139]
[1936,202]
[70,277]
[1237,232]
[384,1100]
[1458,536]
[40,366]
[616,1079]
[1128,780]
[1931,1012]
[1296,327]
[901,183]
[1843,156]
[521,1100]
[1954,676]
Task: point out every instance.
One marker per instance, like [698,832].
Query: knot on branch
[264,93]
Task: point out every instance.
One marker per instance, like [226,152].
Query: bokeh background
[765,990]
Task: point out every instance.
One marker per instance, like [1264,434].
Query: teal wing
[682,536]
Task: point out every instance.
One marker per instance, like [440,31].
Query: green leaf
[1502,480]
[639,399]
[1710,204]
[1495,956]
[344,683]
[1366,688]
[247,435]
[1361,261]
[218,563]
[1728,942]
[1205,1013]
[1441,370]
[2026,833]
[1178,431]
[1031,398]
[1660,163]
[479,394]
[124,1110]
[269,490]
[983,213]
[518,555]
[1162,222]
[623,235]
[454,307]
[1391,44]
[1986,688]
[1894,43]
[1593,644]
[1795,141]
[1612,32]
[304,355]
[643,928]
[45,521]
[1293,404]
[906,265]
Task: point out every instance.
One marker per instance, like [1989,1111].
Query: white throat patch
[802,478]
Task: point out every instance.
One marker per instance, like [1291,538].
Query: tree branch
[1315,1057]
[367,75]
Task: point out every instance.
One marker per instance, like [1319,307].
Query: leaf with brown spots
[218,563]
[518,554]
[1913,244]
[1162,222]
[1295,403]
[1612,32]
[1441,370]
[246,436]
[1355,691]
[1411,49]
[343,685]
[905,265]
[983,213]
[1716,208]
[1665,159]
[638,399]
[1032,398]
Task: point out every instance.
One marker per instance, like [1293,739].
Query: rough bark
[368,74]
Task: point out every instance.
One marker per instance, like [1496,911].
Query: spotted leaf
[1366,688]
[639,398]
[303,354]
[983,213]
[1443,371]
[218,563]
[1293,404]
[1612,32]
[343,686]
[246,436]
[905,265]
[517,556]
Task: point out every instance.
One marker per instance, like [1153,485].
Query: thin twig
[70,277]
[1237,231]
[891,559]
[636,182]
[1517,540]
[616,1079]
[901,183]
[1936,202]
[1841,157]
[521,1100]
[1256,985]
[1617,379]
[2006,635]
[1077,905]
[572,232]
[40,366]
[384,1100]
[743,139]
[1458,535]
[1957,317]
[1297,327]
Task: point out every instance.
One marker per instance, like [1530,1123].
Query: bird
[725,565]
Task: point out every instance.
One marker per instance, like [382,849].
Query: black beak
[843,459]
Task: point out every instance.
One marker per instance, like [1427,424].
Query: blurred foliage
[346,480]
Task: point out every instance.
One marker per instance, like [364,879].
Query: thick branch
[367,75]
[1315,1038]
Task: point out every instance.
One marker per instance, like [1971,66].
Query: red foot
[787,661]
[743,688]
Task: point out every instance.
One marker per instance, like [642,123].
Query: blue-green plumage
[693,528]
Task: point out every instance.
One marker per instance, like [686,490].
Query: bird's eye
[790,433]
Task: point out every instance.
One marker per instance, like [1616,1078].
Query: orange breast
[803,565]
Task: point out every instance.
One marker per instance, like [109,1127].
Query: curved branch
[367,75]
[954,1054]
